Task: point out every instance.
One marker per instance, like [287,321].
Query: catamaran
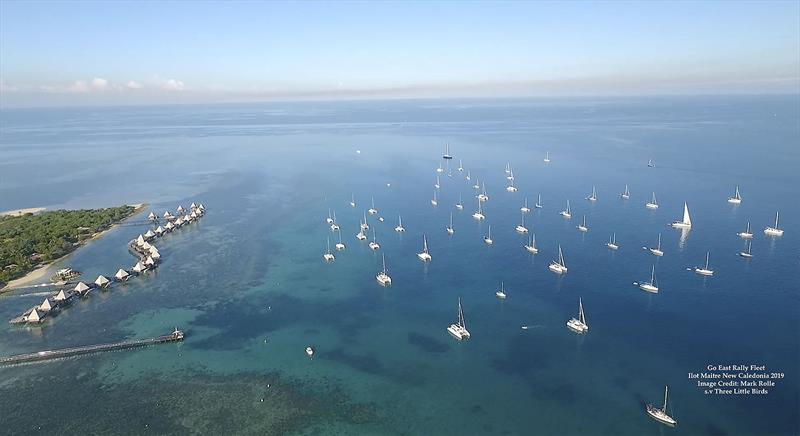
[650,163]
[434,201]
[459,329]
[653,203]
[521,229]
[582,226]
[511,187]
[328,256]
[446,154]
[440,169]
[661,415]
[531,246]
[340,245]
[686,223]
[774,231]
[460,166]
[704,270]
[352,200]
[469,175]
[747,233]
[501,293]
[737,198]
[383,276]
[559,266]
[360,235]
[652,285]
[547,157]
[482,196]
[525,208]
[592,197]
[399,228]
[450,229]
[334,226]
[578,325]
[372,210]
[510,175]
[364,224]
[612,242]
[329,219]
[566,213]
[747,254]
[478,215]
[459,205]
[374,244]
[626,194]
[488,238]
[538,204]
[477,185]
[425,256]
[437,185]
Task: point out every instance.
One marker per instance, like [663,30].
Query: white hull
[703,271]
[557,268]
[647,287]
[582,228]
[488,241]
[511,189]
[309,352]
[478,216]
[531,249]
[340,247]
[425,257]
[745,254]
[328,257]
[501,295]
[744,235]
[372,211]
[565,214]
[577,326]
[460,206]
[660,416]
[612,246]
[361,236]
[651,206]
[450,230]
[624,196]
[483,197]
[334,227]
[681,225]
[772,231]
[374,246]
[352,204]
[383,279]
[524,209]
[521,229]
[656,252]
[458,332]
[434,202]
[399,229]
[734,200]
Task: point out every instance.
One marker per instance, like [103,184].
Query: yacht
[372,210]
[510,176]
[340,245]
[737,198]
[652,285]
[334,226]
[374,244]
[434,201]
[488,238]
[661,415]
[501,293]
[460,166]
[747,233]
[440,169]
[425,256]
[686,223]
[547,157]
[482,196]
[508,168]
[612,242]
[525,208]
[381,219]
[329,219]
[656,251]
[566,213]
[582,226]
[592,197]
[310,352]
[774,231]
[558,266]
[469,175]
[578,325]
[383,276]
[459,205]
[650,163]
[478,215]
[437,185]
[511,187]
[328,256]
[626,194]
[531,246]
[477,185]
[459,329]
[364,225]
[446,154]
[747,254]
[352,200]
[704,270]
[652,204]
[538,204]
[360,235]
[450,229]
[521,229]
[399,228]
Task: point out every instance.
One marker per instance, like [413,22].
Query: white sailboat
[434,201]
[547,157]
[478,215]
[704,270]
[383,276]
[653,203]
[437,185]
[501,293]
[566,213]
[334,226]
[482,196]
[459,205]
[450,229]
[747,254]
[511,187]
[525,208]
[352,200]
[399,228]
[374,244]
[328,256]
[460,166]
[531,246]
[510,175]
[558,266]
[538,204]
[447,154]
[508,168]
[459,329]
[656,251]
[747,233]
[652,285]
[440,169]
[578,325]
[425,256]
[372,210]
[329,219]
[626,194]
[340,245]
[612,242]
[650,163]
[774,231]
[488,238]
[661,415]
[582,226]
[521,229]
[593,197]
[737,198]
[477,185]
[469,175]
[686,223]
[360,235]
[364,224]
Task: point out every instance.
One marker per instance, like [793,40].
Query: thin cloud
[132,84]
[172,85]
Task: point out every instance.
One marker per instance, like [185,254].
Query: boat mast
[707,254]
[424,244]
[580,311]
[666,390]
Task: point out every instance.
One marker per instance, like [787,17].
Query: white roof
[140,240]
[193,205]
[101,280]
[159,229]
[201,207]
[121,274]
[167,214]
[33,316]
[81,287]
[149,234]
[149,261]
[169,226]
[179,222]
[179,209]
[139,267]
[153,249]
[61,296]
[45,306]
[146,246]
[155,255]
[151,215]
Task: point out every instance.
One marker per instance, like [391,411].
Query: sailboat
[559,266]
[652,204]
[525,208]
[521,229]
[612,242]
[508,168]
[399,228]
[650,286]
[686,223]
[374,244]
[566,213]
[437,185]
[372,210]
[459,205]
[477,185]
[459,329]
[383,276]
[510,175]
[737,198]
[478,215]
[434,201]
[704,270]
[440,169]
[582,226]
[656,251]
[531,246]
[578,325]
[425,256]
[501,293]
[328,256]
[364,225]
[329,219]
[360,235]
[482,196]
[625,194]
[446,154]
[650,163]
[450,229]
[747,254]
[511,187]
[334,226]
[774,231]
[340,245]
[661,415]
[352,200]
[538,204]
[460,166]
[747,233]
[488,238]
[469,175]
[547,157]
[592,197]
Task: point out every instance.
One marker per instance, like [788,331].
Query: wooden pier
[175,336]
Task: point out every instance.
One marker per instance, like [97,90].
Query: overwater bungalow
[201,207]
[149,235]
[192,206]
[146,246]
[168,227]
[34,317]
[168,216]
[140,240]
[179,222]
[152,216]
[46,305]
[139,268]
[180,209]
[63,296]
[155,254]
[102,281]
[81,289]
[159,230]
[149,262]
[193,215]
[122,275]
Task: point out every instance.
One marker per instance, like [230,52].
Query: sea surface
[249,286]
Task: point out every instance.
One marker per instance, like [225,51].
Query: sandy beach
[20,212]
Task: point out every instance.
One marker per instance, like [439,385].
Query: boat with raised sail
[558,266]
[747,254]
[508,168]
[656,251]
[372,210]
[531,245]
[477,185]
[653,203]
[626,194]
[538,204]
[612,242]
[525,208]
[501,293]
[747,233]
[566,213]
[459,329]
[434,200]
[328,256]
[468,177]
[450,229]
[383,276]
[661,415]
[478,215]
[488,238]
[774,231]
[704,270]
[737,197]
[459,205]
[652,285]
[578,325]
[593,196]
[582,226]
[399,228]
[521,229]
[374,244]
[686,222]
[424,256]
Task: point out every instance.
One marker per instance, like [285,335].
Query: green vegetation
[31,240]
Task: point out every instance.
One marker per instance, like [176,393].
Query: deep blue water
[249,285]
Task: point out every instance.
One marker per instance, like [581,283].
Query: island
[33,240]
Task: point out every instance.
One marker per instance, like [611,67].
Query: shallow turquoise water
[248,283]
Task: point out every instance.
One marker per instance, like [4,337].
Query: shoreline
[20,212]
[40,271]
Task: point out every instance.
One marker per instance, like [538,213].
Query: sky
[55,53]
